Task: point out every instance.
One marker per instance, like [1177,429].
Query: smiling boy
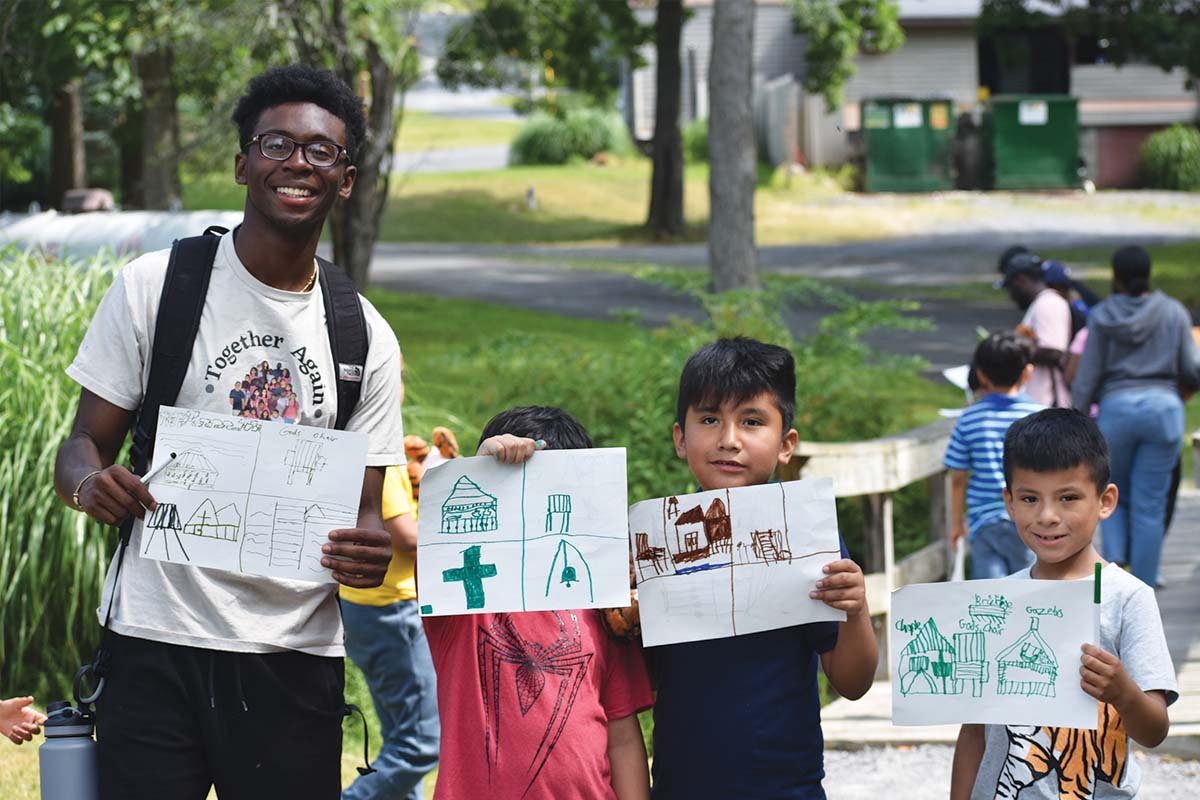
[752,700]
[1057,490]
[222,677]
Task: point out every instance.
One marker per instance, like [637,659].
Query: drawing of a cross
[471,574]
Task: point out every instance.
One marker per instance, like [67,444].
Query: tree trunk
[732,258]
[160,130]
[68,167]
[666,184]
[128,136]
[355,222]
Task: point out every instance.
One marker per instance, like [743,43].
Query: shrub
[52,559]
[695,140]
[580,133]
[626,397]
[1170,159]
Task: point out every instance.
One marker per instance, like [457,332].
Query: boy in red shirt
[537,704]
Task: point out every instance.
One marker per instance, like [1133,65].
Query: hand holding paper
[843,587]
[359,557]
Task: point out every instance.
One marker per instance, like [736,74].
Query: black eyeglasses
[278,147]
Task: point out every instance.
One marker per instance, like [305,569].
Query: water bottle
[69,767]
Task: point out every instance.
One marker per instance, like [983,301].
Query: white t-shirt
[268,340]
[1049,317]
[1029,762]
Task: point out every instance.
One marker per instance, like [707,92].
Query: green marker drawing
[426,609]
[471,573]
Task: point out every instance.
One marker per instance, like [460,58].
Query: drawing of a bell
[568,576]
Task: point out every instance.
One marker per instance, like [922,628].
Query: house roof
[1013,653]
[466,492]
[928,638]
[190,459]
[693,514]
[716,509]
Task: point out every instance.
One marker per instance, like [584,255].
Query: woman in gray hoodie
[1140,355]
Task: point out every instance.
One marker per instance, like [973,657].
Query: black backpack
[183,295]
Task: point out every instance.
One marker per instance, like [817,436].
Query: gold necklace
[311,281]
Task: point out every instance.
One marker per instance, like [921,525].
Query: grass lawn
[423,131]
[588,203]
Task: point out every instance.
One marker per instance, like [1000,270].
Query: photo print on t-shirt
[265,378]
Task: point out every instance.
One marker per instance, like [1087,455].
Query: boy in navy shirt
[741,716]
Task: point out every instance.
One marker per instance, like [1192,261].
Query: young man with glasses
[218,677]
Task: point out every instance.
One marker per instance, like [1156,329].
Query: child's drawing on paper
[544,535]
[249,495]
[190,469]
[985,652]
[756,551]
[469,509]
[164,526]
[1027,666]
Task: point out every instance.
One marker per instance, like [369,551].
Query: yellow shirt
[399,583]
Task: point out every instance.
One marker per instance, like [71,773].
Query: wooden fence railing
[874,470]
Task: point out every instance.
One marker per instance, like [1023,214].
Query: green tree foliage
[836,32]
[1164,32]
[544,47]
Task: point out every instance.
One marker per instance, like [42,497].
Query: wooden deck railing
[874,470]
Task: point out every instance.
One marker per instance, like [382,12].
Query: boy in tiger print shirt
[1056,470]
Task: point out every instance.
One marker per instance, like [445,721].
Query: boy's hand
[509,449]
[1104,677]
[957,531]
[18,721]
[843,587]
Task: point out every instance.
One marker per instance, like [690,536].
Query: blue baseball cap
[1019,264]
[1056,273]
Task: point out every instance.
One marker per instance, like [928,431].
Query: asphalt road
[541,282]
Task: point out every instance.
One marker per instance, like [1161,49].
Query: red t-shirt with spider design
[525,700]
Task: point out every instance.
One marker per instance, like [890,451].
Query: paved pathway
[866,722]
[498,277]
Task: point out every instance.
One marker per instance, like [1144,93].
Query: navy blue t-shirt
[741,716]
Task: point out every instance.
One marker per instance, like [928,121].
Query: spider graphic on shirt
[501,643]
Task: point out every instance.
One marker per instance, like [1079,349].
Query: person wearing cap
[1058,277]
[1047,322]
[1139,355]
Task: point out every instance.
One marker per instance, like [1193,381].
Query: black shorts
[174,721]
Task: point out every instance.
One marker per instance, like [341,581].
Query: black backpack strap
[178,320]
[179,308]
[347,336]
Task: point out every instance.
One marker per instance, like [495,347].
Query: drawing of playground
[931,664]
[992,651]
[498,537]
[732,561]
[704,537]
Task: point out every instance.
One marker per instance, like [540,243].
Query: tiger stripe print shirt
[1043,763]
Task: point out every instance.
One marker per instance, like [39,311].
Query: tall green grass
[52,559]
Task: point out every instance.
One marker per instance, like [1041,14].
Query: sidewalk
[867,722]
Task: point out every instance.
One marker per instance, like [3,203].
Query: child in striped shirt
[975,456]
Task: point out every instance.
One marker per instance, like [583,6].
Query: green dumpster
[909,144]
[1033,141]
